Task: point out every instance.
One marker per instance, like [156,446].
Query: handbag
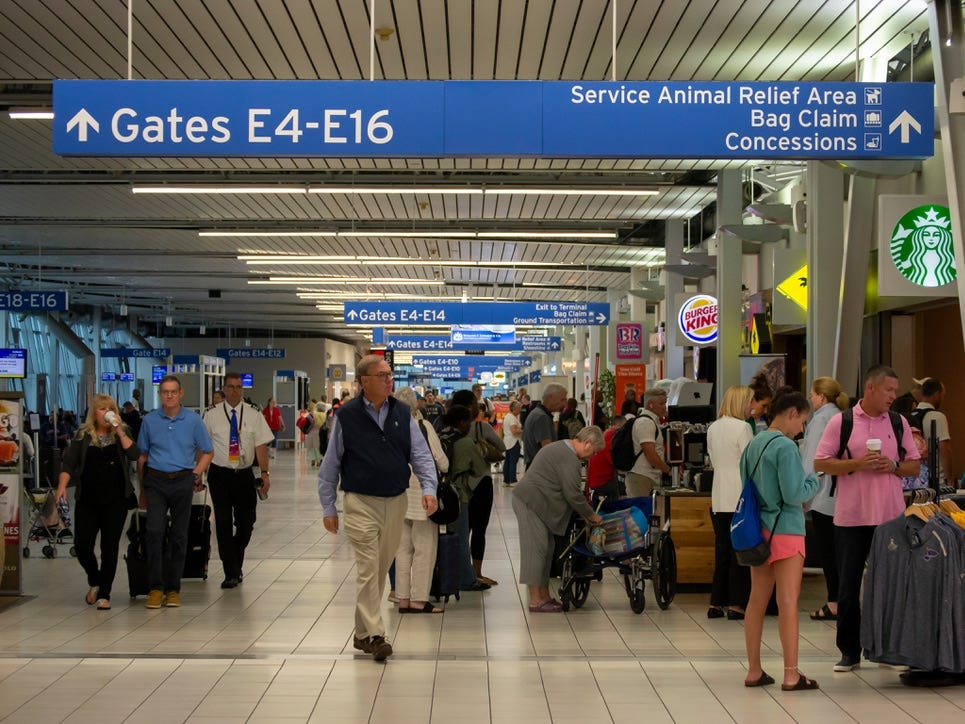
[621,531]
[448,510]
[488,449]
[746,538]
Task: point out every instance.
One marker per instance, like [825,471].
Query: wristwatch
[265,472]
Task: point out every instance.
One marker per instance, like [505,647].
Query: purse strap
[756,466]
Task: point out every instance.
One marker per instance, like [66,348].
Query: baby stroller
[48,520]
[654,559]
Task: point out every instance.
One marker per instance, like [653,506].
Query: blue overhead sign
[230,353]
[501,335]
[442,343]
[417,313]
[153,353]
[468,366]
[26,301]
[647,119]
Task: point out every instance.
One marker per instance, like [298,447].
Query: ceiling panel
[99,239]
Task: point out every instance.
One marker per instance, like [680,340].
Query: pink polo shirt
[866,497]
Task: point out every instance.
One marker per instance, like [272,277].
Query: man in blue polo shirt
[373,441]
[175,451]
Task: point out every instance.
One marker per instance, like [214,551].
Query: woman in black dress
[98,461]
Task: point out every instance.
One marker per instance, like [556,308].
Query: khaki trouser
[415,559]
[374,526]
[640,486]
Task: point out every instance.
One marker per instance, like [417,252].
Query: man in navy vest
[373,441]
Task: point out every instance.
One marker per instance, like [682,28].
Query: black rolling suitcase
[199,541]
[136,557]
[445,575]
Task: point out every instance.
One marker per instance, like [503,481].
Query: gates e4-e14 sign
[697,319]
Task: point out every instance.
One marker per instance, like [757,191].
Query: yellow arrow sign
[795,287]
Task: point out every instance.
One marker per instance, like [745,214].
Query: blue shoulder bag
[745,527]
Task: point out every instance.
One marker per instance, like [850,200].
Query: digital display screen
[247,380]
[157,373]
[108,377]
[13,363]
[126,377]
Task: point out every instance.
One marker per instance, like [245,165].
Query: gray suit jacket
[551,487]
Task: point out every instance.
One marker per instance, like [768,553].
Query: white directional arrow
[555,345]
[601,318]
[352,314]
[83,121]
[904,121]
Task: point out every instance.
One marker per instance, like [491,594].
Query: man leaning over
[175,452]
[867,493]
[373,441]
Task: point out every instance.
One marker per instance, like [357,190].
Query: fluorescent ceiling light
[268,233]
[619,191]
[291,259]
[408,190]
[404,190]
[345,280]
[230,189]
[545,234]
[424,234]
[31,114]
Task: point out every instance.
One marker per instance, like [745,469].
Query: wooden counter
[692,533]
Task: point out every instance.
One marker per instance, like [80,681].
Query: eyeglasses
[168,393]
[381,375]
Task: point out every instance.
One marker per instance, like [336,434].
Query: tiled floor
[279,649]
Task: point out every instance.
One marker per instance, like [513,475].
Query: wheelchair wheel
[26,552]
[581,591]
[664,571]
[635,583]
[49,552]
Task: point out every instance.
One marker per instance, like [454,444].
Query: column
[729,277]
[674,242]
[946,34]
[825,246]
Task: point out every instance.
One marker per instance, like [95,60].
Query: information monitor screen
[13,363]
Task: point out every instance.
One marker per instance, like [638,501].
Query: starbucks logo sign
[921,246]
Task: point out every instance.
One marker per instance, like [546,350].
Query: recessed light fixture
[229,189]
[398,190]
[31,114]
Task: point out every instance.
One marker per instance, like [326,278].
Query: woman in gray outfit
[543,502]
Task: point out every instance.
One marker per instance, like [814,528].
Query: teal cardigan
[780,481]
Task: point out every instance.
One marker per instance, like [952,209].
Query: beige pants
[640,486]
[373,525]
[415,559]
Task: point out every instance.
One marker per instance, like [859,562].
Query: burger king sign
[698,319]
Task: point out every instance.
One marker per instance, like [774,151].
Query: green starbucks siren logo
[921,247]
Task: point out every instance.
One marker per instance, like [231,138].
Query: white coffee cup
[111,418]
[874,445]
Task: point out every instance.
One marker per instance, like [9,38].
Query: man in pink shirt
[868,492]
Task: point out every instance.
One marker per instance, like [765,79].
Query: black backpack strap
[847,426]
[899,430]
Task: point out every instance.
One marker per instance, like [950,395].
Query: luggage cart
[655,560]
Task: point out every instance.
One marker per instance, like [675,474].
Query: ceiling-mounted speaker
[799,216]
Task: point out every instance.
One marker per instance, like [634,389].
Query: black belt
[232,470]
[170,476]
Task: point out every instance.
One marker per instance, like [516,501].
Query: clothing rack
[932,678]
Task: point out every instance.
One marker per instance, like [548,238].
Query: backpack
[573,426]
[305,423]
[847,425]
[745,526]
[621,446]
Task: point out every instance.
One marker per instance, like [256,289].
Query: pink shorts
[784,545]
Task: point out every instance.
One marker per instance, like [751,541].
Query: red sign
[629,341]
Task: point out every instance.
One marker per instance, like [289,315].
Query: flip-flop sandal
[823,614]
[426,608]
[490,581]
[803,684]
[762,680]
[550,606]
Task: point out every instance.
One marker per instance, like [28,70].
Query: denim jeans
[510,463]
[166,564]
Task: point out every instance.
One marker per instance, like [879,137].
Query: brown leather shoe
[380,648]
[363,645]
